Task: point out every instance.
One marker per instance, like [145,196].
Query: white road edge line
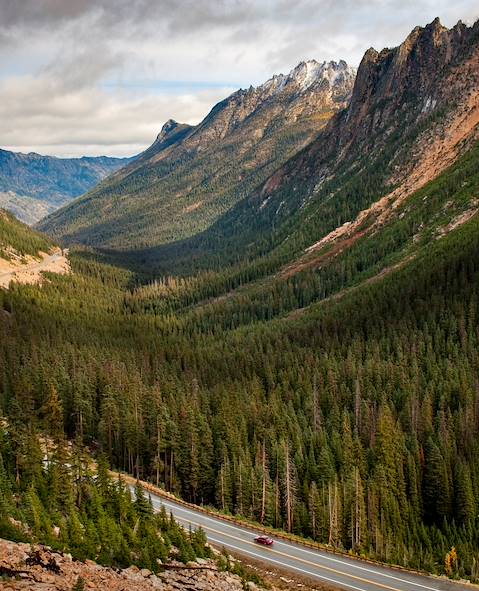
[267,556]
[319,554]
[288,566]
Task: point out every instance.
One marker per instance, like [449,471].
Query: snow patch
[264,203]
[429,105]
[308,73]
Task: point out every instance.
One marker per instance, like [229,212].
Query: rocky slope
[414,110]
[29,270]
[32,186]
[405,101]
[23,567]
[191,176]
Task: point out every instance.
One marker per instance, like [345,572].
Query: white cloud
[43,116]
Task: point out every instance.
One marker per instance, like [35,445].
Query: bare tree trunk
[158,434]
[110,438]
[333,514]
[358,509]
[276,500]
[81,425]
[222,485]
[317,415]
[357,408]
[253,496]
[263,492]
[240,488]
[289,489]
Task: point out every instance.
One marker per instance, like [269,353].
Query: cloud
[105,74]
[43,115]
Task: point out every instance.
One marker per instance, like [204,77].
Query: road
[333,569]
[31,271]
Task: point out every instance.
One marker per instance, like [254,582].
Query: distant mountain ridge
[192,175]
[32,185]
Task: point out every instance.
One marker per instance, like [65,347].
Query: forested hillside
[16,238]
[355,422]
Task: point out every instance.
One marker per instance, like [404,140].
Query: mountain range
[32,186]
[276,169]
[192,175]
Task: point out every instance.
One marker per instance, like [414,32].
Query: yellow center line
[304,561]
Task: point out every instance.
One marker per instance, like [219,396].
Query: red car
[264,540]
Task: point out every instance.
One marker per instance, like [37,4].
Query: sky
[100,77]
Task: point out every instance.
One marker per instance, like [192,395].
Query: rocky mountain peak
[171,132]
[310,86]
[406,75]
[167,128]
[311,72]
[308,75]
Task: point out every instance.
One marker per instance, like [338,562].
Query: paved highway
[336,570]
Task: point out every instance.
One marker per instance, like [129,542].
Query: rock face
[311,87]
[406,102]
[192,175]
[40,569]
[409,81]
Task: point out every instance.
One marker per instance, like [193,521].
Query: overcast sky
[101,76]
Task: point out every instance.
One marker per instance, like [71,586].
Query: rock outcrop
[414,109]
[27,568]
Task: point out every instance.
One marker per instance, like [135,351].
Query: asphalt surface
[332,569]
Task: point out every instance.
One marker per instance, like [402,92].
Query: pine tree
[141,503]
[52,411]
[464,499]
[289,487]
[79,585]
[314,506]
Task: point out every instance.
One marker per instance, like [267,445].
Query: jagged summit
[407,77]
[171,132]
[434,32]
[169,125]
[308,74]
[168,128]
